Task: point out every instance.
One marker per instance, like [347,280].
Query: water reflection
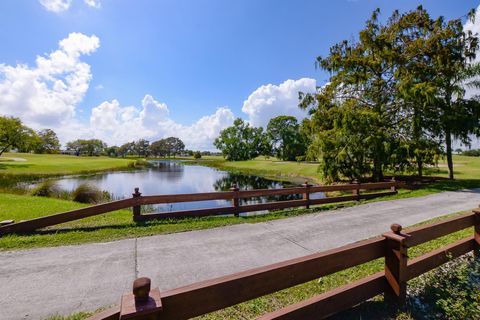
[173,177]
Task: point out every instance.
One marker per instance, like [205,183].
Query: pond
[175,177]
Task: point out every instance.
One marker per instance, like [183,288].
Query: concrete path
[42,282]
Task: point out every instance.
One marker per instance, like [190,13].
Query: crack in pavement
[135,258]
[269,225]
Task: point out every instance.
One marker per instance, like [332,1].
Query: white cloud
[93,3]
[56,6]
[116,124]
[59,6]
[46,94]
[270,100]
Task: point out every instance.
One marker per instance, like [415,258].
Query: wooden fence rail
[235,195]
[211,295]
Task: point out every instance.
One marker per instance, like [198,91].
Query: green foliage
[394,96]
[13,134]
[87,193]
[91,147]
[142,148]
[471,153]
[242,142]
[47,142]
[451,291]
[48,188]
[197,155]
[167,147]
[287,139]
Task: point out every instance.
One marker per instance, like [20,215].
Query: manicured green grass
[464,167]
[106,227]
[57,164]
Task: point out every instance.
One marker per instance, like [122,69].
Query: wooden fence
[234,195]
[207,296]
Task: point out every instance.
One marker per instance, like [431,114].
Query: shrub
[48,188]
[472,153]
[197,155]
[451,291]
[140,163]
[87,193]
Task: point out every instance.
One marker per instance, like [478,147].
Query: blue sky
[156,68]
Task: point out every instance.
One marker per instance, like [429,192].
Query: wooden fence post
[142,303]
[394,187]
[356,191]
[306,194]
[235,199]
[477,233]
[136,209]
[396,265]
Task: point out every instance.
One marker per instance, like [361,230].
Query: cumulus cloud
[93,3]
[118,124]
[269,101]
[56,5]
[59,6]
[47,93]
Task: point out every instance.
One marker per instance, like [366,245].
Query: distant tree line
[14,135]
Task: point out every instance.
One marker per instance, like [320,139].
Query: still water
[174,177]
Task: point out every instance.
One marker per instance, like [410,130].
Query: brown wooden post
[394,187]
[477,233]
[235,199]
[142,303]
[356,191]
[396,265]
[306,194]
[136,209]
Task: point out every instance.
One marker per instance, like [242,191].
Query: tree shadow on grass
[373,310]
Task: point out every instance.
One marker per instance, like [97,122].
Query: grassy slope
[47,164]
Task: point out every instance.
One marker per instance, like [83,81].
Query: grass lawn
[465,168]
[106,227]
[56,164]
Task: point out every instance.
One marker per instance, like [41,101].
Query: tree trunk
[448,142]
[420,167]
[377,169]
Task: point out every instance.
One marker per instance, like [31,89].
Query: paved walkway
[42,282]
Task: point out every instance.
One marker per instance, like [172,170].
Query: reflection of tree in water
[246,182]
[173,170]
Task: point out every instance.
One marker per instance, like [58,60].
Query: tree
[242,141]
[13,134]
[197,155]
[126,149]
[112,151]
[47,142]
[287,140]
[435,68]
[142,147]
[457,115]
[362,81]
[174,146]
[159,148]
[91,147]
